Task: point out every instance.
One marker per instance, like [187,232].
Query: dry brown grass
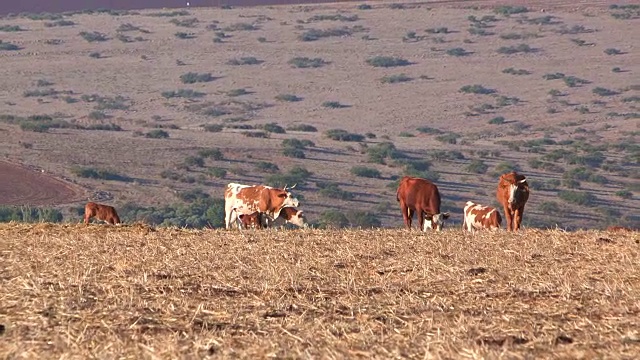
[70,291]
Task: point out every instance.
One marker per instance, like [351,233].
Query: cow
[513,193]
[478,217]
[247,199]
[105,213]
[290,215]
[420,196]
[253,220]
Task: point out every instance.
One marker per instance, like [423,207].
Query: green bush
[211,153]
[458,51]
[213,127]
[429,130]
[305,62]
[184,35]
[513,71]
[449,138]
[625,194]
[343,135]
[521,48]
[157,134]
[604,92]
[316,34]
[363,219]
[237,92]
[572,81]
[332,190]
[194,161]
[549,207]
[578,198]
[392,79]
[296,175]
[612,51]
[190,22]
[182,93]
[293,153]
[267,167]
[256,134]
[333,219]
[11,28]
[476,89]
[93,173]
[297,144]
[477,167]
[288,97]
[241,27]
[507,10]
[364,171]
[387,61]
[193,77]
[497,120]
[333,105]
[29,214]
[382,151]
[302,127]
[94,36]
[59,23]
[217,172]
[364,7]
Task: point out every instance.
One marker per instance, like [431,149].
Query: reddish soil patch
[21,186]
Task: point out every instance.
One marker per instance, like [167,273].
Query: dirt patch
[22,186]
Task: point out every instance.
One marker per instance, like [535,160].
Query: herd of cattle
[261,206]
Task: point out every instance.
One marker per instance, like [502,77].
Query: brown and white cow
[290,215]
[478,217]
[105,213]
[247,199]
[513,193]
[253,220]
[420,196]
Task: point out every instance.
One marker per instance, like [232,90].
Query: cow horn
[285,187]
[294,185]
[522,181]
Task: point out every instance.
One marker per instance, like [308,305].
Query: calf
[105,213]
[478,217]
[253,220]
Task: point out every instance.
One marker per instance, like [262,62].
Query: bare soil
[75,291]
[141,70]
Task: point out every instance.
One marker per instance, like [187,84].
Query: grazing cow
[247,199]
[290,215]
[420,196]
[253,220]
[478,217]
[513,193]
[105,213]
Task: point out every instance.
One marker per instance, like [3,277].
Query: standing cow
[420,196]
[105,213]
[478,217]
[247,199]
[513,193]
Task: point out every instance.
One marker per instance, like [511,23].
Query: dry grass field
[70,291]
[555,96]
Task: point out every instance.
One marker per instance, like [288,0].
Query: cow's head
[515,183]
[298,219]
[434,222]
[287,199]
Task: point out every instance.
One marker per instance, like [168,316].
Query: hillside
[153,104]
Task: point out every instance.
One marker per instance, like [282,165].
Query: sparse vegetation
[94,36]
[343,135]
[8,46]
[288,98]
[305,62]
[476,89]
[193,77]
[182,93]
[521,48]
[363,171]
[604,92]
[302,127]
[333,105]
[392,79]
[157,134]
[507,10]
[102,174]
[249,60]
[387,61]
[612,51]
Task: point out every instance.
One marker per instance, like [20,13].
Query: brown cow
[478,217]
[421,196]
[247,199]
[253,220]
[513,193]
[105,213]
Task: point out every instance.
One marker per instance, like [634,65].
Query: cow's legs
[517,219]
[407,214]
[420,214]
[509,215]
[227,217]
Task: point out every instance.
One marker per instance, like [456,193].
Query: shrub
[97,115]
[522,48]
[288,97]
[92,173]
[316,34]
[333,219]
[449,138]
[387,61]
[302,127]
[217,172]
[213,127]
[513,71]
[305,62]
[237,92]
[241,27]
[363,219]
[625,194]
[250,60]
[553,76]
[256,134]
[476,89]
[364,7]
[616,70]
[212,153]
[293,153]
[59,23]
[576,197]
[572,81]
[157,134]
[549,207]
[93,36]
[95,55]
[297,144]
[8,46]
[429,130]
[182,93]
[364,171]
[333,105]
[194,161]
[477,167]
[458,51]
[262,39]
[191,22]
[215,111]
[392,79]
[497,120]
[507,10]
[184,35]
[11,28]
[273,128]
[333,191]
[296,175]
[343,135]
[193,77]
[382,151]
[267,167]
[612,51]
[604,92]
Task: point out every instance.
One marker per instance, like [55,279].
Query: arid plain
[461,90]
